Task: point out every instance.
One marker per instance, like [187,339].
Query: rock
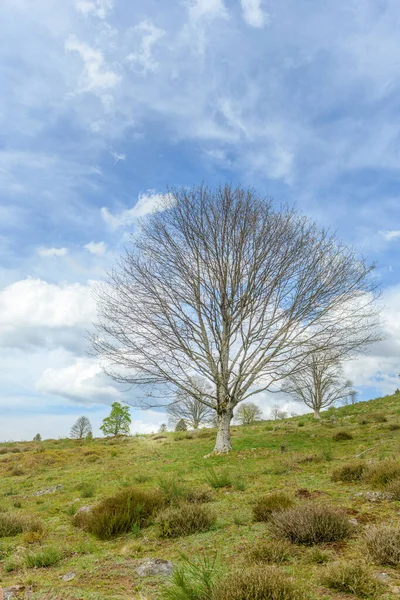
[353,522]
[83,509]
[15,592]
[50,490]
[155,566]
[383,576]
[68,577]
[374,496]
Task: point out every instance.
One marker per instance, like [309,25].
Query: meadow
[214,518]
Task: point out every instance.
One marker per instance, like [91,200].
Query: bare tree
[193,410]
[222,284]
[277,413]
[248,413]
[320,383]
[81,428]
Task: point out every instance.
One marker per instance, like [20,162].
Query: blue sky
[104,103]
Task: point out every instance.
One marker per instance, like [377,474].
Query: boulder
[155,566]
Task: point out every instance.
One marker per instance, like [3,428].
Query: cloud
[52,251]
[391,235]
[98,248]
[146,204]
[96,76]
[82,381]
[36,313]
[97,8]
[117,157]
[150,35]
[253,13]
[208,9]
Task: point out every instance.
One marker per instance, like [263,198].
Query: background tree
[193,409]
[353,394]
[320,383]
[181,425]
[81,428]
[37,438]
[248,413]
[222,284]
[162,428]
[277,413]
[89,435]
[118,421]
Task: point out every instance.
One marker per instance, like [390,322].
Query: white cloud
[208,9]
[150,35]
[391,234]
[146,204]
[98,248]
[117,157]
[52,251]
[36,313]
[253,13]
[82,381]
[97,8]
[96,76]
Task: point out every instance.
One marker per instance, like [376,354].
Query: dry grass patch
[352,577]
[353,471]
[271,551]
[311,524]
[259,583]
[12,524]
[121,513]
[383,473]
[383,544]
[185,519]
[393,488]
[274,502]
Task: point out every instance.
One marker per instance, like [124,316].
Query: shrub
[383,544]
[45,557]
[192,580]
[219,479]
[199,495]
[274,502]
[184,520]
[258,583]
[119,514]
[352,577]
[350,472]
[31,537]
[311,524]
[342,436]
[13,524]
[383,473]
[300,424]
[271,551]
[394,489]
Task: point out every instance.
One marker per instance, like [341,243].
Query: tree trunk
[316,413]
[223,441]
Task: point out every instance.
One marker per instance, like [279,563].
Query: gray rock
[50,490]
[15,592]
[68,577]
[155,566]
[83,509]
[375,496]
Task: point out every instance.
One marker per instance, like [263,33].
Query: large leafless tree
[320,382]
[223,284]
[194,410]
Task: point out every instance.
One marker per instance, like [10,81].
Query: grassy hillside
[296,456]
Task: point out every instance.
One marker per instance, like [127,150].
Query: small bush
[383,544]
[350,472]
[121,513]
[342,436]
[31,537]
[46,557]
[377,417]
[13,524]
[300,424]
[311,524]
[219,479]
[258,583]
[184,520]
[394,426]
[393,488]
[271,551]
[383,473]
[274,502]
[192,580]
[199,496]
[352,577]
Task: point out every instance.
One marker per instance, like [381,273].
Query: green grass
[227,486]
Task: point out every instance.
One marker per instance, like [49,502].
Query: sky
[105,103]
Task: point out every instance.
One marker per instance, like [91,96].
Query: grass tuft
[352,577]
[271,551]
[184,519]
[383,545]
[342,436]
[274,502]
[45,557]
[13,524]
[353,471]
[192,580]
[383,473]
[258,583]
[218,479]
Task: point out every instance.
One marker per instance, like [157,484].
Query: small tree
[194,410]
[37,438]
[181,425]
[277,413]
[118,421]
[81,428]
[248,413]
[320,383]
[89,436]
[353,396]
[162,428]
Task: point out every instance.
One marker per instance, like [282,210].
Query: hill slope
[297,456]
